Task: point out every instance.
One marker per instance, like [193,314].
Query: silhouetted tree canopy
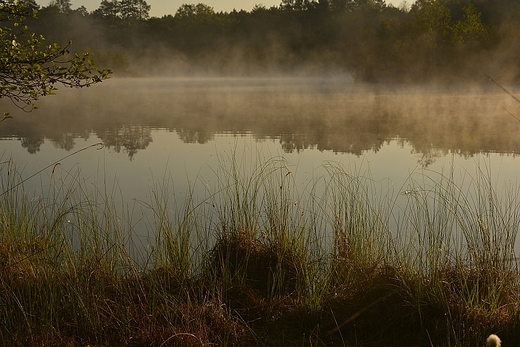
[450,40]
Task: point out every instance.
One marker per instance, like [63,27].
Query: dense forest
[452,40]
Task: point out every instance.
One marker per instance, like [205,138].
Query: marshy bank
[257,260]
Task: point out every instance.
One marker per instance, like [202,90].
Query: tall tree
[132,10]
[143,9]
[201,12]
[64,6]
[108,8]
[128,10]
[82,10]
[294,5]
[470,28]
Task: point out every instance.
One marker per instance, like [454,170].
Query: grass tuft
[255,262]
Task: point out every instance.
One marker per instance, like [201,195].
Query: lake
[130,136]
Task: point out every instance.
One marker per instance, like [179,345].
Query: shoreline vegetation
[255,262]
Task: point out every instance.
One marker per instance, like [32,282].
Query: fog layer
[300,113]
[446,40]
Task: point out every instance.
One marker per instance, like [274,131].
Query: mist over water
[179,129]
[322,113]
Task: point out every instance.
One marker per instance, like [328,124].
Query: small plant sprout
[493,341]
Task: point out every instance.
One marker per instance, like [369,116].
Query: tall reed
[253,258]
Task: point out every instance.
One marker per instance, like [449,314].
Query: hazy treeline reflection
[324,114]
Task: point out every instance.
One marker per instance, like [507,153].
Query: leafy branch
[29,68]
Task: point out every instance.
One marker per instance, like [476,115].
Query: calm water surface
[180,129]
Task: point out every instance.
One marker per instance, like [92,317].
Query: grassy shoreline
[258,263]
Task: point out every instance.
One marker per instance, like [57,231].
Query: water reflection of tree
[294,142]
[432,123]
[353,136]
[32,144]
[130,138]
[195,136]
[66,141]
[428,156]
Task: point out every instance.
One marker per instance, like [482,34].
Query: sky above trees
[165,7]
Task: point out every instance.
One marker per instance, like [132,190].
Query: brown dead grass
[241,299]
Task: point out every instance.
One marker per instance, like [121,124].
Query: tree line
[450,40]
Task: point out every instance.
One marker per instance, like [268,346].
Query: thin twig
[54,164]
[512,115]
[504,89]
[508,93]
